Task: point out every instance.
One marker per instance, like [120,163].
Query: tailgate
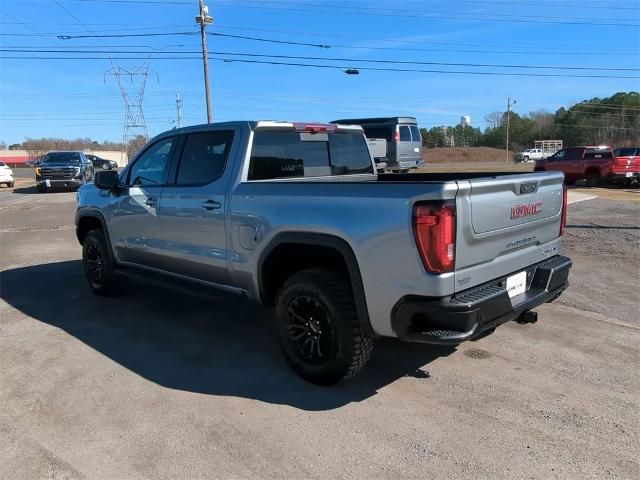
[505,223]
[505,203]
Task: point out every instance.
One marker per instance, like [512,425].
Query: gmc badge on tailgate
[526,209]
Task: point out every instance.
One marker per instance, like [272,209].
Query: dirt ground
[464,155]
[163,383]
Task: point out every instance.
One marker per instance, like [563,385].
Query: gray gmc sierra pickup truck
[295,216]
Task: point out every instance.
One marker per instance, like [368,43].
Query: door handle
[152,202]
[211,205]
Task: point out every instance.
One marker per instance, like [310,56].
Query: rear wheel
[592,179]
[98,265]
[319,332]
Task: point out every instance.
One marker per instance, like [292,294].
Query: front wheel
[97,262]
[319,332]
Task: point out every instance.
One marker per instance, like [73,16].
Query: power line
[422,14]
[350,60]
[379,39]
[340,67]
[474,2]
[325,45]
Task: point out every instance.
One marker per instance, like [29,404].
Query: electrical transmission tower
[132,84]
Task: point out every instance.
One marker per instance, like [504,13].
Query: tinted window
[203,157]
[349,154]
[624,152]
[405,134]
[55,157]
[558,155]
[598,154]
[573,154]
[151,167]
[2,164]
[415,134]
[289,154]
[378,132]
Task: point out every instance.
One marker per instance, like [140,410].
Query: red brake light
[315,127]
[563,220]
[434,229]
[396,136]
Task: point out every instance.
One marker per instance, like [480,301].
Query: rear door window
[294,154]
[204,157]
[415,134]
[405,133]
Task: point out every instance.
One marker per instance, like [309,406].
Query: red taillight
[396,136]
[315,127]
[434,229]
[563,219]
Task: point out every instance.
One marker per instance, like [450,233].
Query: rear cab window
[299,154]
[625,152]
[378,132]
[598,153]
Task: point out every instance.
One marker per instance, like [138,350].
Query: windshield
[56,157]
[2,164]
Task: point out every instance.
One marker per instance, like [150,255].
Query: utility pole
[179,109]
[203,20]
[509,104]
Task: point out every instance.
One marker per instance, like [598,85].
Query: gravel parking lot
[164,383]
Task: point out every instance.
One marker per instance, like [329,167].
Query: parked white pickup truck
[530,155]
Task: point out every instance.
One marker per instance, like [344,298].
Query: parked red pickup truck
[590,163]
[625,168]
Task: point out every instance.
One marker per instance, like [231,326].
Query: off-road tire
[96,249]
[593,179]
[350,348]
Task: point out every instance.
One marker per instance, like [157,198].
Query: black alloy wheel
[309,330]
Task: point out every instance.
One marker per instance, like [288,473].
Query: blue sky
[68,95]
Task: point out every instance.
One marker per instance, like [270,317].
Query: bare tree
[494,120]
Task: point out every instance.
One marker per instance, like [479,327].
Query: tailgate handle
[528,187]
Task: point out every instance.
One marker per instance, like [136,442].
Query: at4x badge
[526,209]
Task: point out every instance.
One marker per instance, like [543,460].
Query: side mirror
[106,179]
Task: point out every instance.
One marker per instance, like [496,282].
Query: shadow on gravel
[196,341]
[31,189]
